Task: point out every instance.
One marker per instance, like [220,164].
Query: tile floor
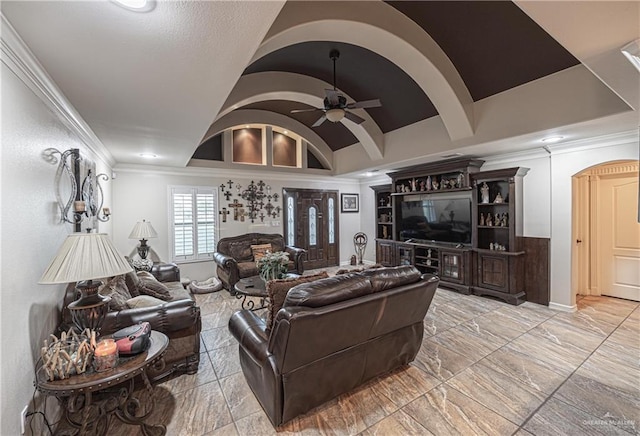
[485,367]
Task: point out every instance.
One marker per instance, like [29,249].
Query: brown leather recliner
[331,336]
[234,258]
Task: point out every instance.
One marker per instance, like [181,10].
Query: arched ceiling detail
[386,31]
[238,117]
[257,87]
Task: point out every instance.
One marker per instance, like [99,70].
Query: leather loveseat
[234,257]
[332,335]
[178,318]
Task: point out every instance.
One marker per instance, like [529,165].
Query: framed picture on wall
[349,203]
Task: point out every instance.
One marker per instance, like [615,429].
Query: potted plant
[273,265]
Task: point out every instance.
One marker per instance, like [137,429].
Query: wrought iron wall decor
[85,198]
[257,200]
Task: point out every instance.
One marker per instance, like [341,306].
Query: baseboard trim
[562,307]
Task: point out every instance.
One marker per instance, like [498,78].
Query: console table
[90,400]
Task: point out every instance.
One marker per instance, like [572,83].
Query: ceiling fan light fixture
[334,115]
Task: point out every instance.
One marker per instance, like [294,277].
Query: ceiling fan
[335,104]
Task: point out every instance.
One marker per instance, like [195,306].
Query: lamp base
[91,308]
[143,249]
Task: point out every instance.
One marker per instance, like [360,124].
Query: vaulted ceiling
[467,76]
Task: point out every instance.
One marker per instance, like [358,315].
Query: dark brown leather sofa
[234,258]
[179,319]
[331,336]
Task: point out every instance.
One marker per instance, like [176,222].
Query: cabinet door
[493,272]
[385,253]
[451,266]
[404,255]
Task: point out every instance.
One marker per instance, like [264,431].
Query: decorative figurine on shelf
[444,183]
[413,185]
[491,246]
[489,220]
[429,184]
[505,219]
[460,180]
[429,252]
[481,223]
[498,199]
[385,232]
[484,192]
[435,184]
[422,185]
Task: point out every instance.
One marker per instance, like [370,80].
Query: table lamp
[143,231]
[84,258]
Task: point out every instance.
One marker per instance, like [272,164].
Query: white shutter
[205,203]
[193,214]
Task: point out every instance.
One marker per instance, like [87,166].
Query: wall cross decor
[236,205]
[258,199]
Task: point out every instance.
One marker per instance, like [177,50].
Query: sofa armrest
[166,272]
[297,256]
[249,329]
[224,261]
[169,316]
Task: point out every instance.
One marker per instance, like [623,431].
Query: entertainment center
[453,220]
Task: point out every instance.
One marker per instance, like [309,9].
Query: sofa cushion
[146,274]
[329,291]
[277,291]
[259,251]
[241,251]
[154,288]
[387,278]
[247,269]
[143,301]
[116,288]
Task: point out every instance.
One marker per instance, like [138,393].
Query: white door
[619,232]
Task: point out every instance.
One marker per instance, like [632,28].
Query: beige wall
[31,235]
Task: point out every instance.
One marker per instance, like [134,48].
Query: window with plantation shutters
[193,222]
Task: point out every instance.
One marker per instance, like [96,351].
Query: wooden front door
[311,222]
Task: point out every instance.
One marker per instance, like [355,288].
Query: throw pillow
[154,288]
[117,290]
[259,251]
[143,301]
[146,275]
[277,291]
[133,281]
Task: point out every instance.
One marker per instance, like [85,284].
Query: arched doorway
[606,232]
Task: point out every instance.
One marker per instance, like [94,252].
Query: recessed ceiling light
[136,5]
[285,132]
[370,173]
[552,139]
[148,155]
[246,127]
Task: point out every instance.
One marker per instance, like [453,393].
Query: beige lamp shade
[143,230]
[85,256]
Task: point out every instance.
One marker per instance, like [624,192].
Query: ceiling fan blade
[353,117]
[295,111]
[332,96]
[320,120]
[364,104]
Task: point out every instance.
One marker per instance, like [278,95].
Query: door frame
[586,268]
[285,214]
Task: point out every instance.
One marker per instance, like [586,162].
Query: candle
[105,356]
[79,206]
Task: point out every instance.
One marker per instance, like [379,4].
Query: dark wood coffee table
[252,287]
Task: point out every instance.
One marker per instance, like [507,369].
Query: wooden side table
[113,395]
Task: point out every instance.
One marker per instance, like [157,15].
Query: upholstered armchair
[234,258]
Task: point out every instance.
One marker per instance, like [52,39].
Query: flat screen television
[436,218]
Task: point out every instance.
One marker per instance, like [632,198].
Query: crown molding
[610,140]
[237,173]
[17,56]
